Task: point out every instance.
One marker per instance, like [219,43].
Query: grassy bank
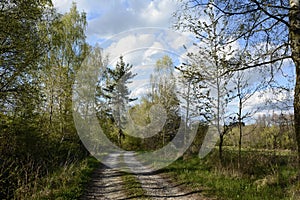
[65,183]
[260,177]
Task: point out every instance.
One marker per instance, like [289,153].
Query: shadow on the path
[105,184]
[165,196]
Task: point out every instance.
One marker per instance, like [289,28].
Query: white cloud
[142,48]
[159,12]
[154,52]
[106,18]
[270,100]
[130,45]
[139,88]
[145,46]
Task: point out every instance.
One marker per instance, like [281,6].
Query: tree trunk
[295,46]
[240,143]
[187,115]
[240,124]
[240,129]
[51,107]
[120,137]
[221,148]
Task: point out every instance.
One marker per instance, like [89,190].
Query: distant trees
[242,91]
[143,120]
[163,92]
[271,132]
[195,105]
[41,51]
[156,115]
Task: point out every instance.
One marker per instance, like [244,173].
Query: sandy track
[107,184]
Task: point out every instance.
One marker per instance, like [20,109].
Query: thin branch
[234,13]
[257,64]
[269,14]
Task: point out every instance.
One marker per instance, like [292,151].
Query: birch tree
[209,62]
[271,29]
[164,92]
[66,34]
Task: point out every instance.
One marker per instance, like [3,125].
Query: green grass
[278,152]
[277,183]
[132,186]
[64,184]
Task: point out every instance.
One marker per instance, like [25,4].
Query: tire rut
[106,183]
[156,185]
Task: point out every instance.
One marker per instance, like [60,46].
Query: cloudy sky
[106,18]
[141,31]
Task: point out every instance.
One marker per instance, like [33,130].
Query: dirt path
[106,183]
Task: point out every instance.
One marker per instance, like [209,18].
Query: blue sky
[114,23]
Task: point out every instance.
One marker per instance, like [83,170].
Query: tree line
[41,50]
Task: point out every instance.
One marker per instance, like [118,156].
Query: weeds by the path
[66,183]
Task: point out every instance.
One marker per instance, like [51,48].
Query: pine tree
[118,94]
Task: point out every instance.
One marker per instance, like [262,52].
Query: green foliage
[68,50]
[117,90]
[41,154]
[163,92]
[19,20]
[265,39]
[269,132]
[195,146]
